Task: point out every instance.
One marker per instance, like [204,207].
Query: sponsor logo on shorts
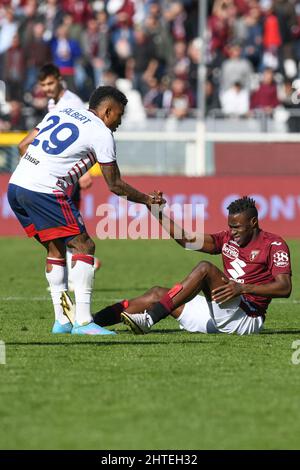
[230,251]
[281,259]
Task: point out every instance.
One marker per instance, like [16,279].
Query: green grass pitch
[165,390]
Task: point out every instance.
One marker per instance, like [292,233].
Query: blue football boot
[90,329]
[58,328]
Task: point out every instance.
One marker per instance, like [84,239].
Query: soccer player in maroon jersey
[256,269]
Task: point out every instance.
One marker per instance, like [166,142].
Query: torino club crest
[254,254]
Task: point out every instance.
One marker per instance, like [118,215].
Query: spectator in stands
[80,10]
[181,64]
[29,16]
[218,27]
[15,116]
[143,63]
[175,16]
[36,102]
[135,112]
[8,30]
[179,100]
[75,30]
[109,78]
[37,52]
[121,12]
[271,40]
[291,101]
[265,97]
[14,70]
[235,101]
[212,102]
[65,53]
[153,98]
[286,14]
[236,69]
[156,27]
[53,14]
[252,45]
[95,42]
[122,36]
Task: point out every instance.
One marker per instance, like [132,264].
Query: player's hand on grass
[228,291]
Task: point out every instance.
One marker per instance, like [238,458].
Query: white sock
[83,277]
[69,255]
[57,279]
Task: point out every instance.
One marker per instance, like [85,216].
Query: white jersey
[68,100]
[68,144]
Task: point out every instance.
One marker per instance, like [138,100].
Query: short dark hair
[47,70]
[106,92]
[242,205]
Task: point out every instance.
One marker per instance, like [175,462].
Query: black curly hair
[106,92]
[242,205]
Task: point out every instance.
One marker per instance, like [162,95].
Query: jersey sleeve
[219,239]
[279,259]
[105,149]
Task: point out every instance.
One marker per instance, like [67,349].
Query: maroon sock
[167,301]
[162,308]
[110,315]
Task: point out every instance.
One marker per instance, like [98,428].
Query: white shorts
[201,316]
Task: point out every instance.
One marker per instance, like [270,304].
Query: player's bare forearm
[28,139]
[280,287]
[183,238]
[117,186]
[115,183]
[123,189]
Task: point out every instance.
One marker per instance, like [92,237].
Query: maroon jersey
[257,263]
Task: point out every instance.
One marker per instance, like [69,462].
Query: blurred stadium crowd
[151,50]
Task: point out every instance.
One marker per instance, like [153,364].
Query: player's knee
[157,293]
[205,266]
[82,244]
[90,246]
[203,269]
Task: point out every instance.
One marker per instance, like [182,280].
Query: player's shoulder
[272,239]
[102,130]
[72,99]
[222,233]
[67,100]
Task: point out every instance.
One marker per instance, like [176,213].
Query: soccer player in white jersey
[51,82]
[69,142]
